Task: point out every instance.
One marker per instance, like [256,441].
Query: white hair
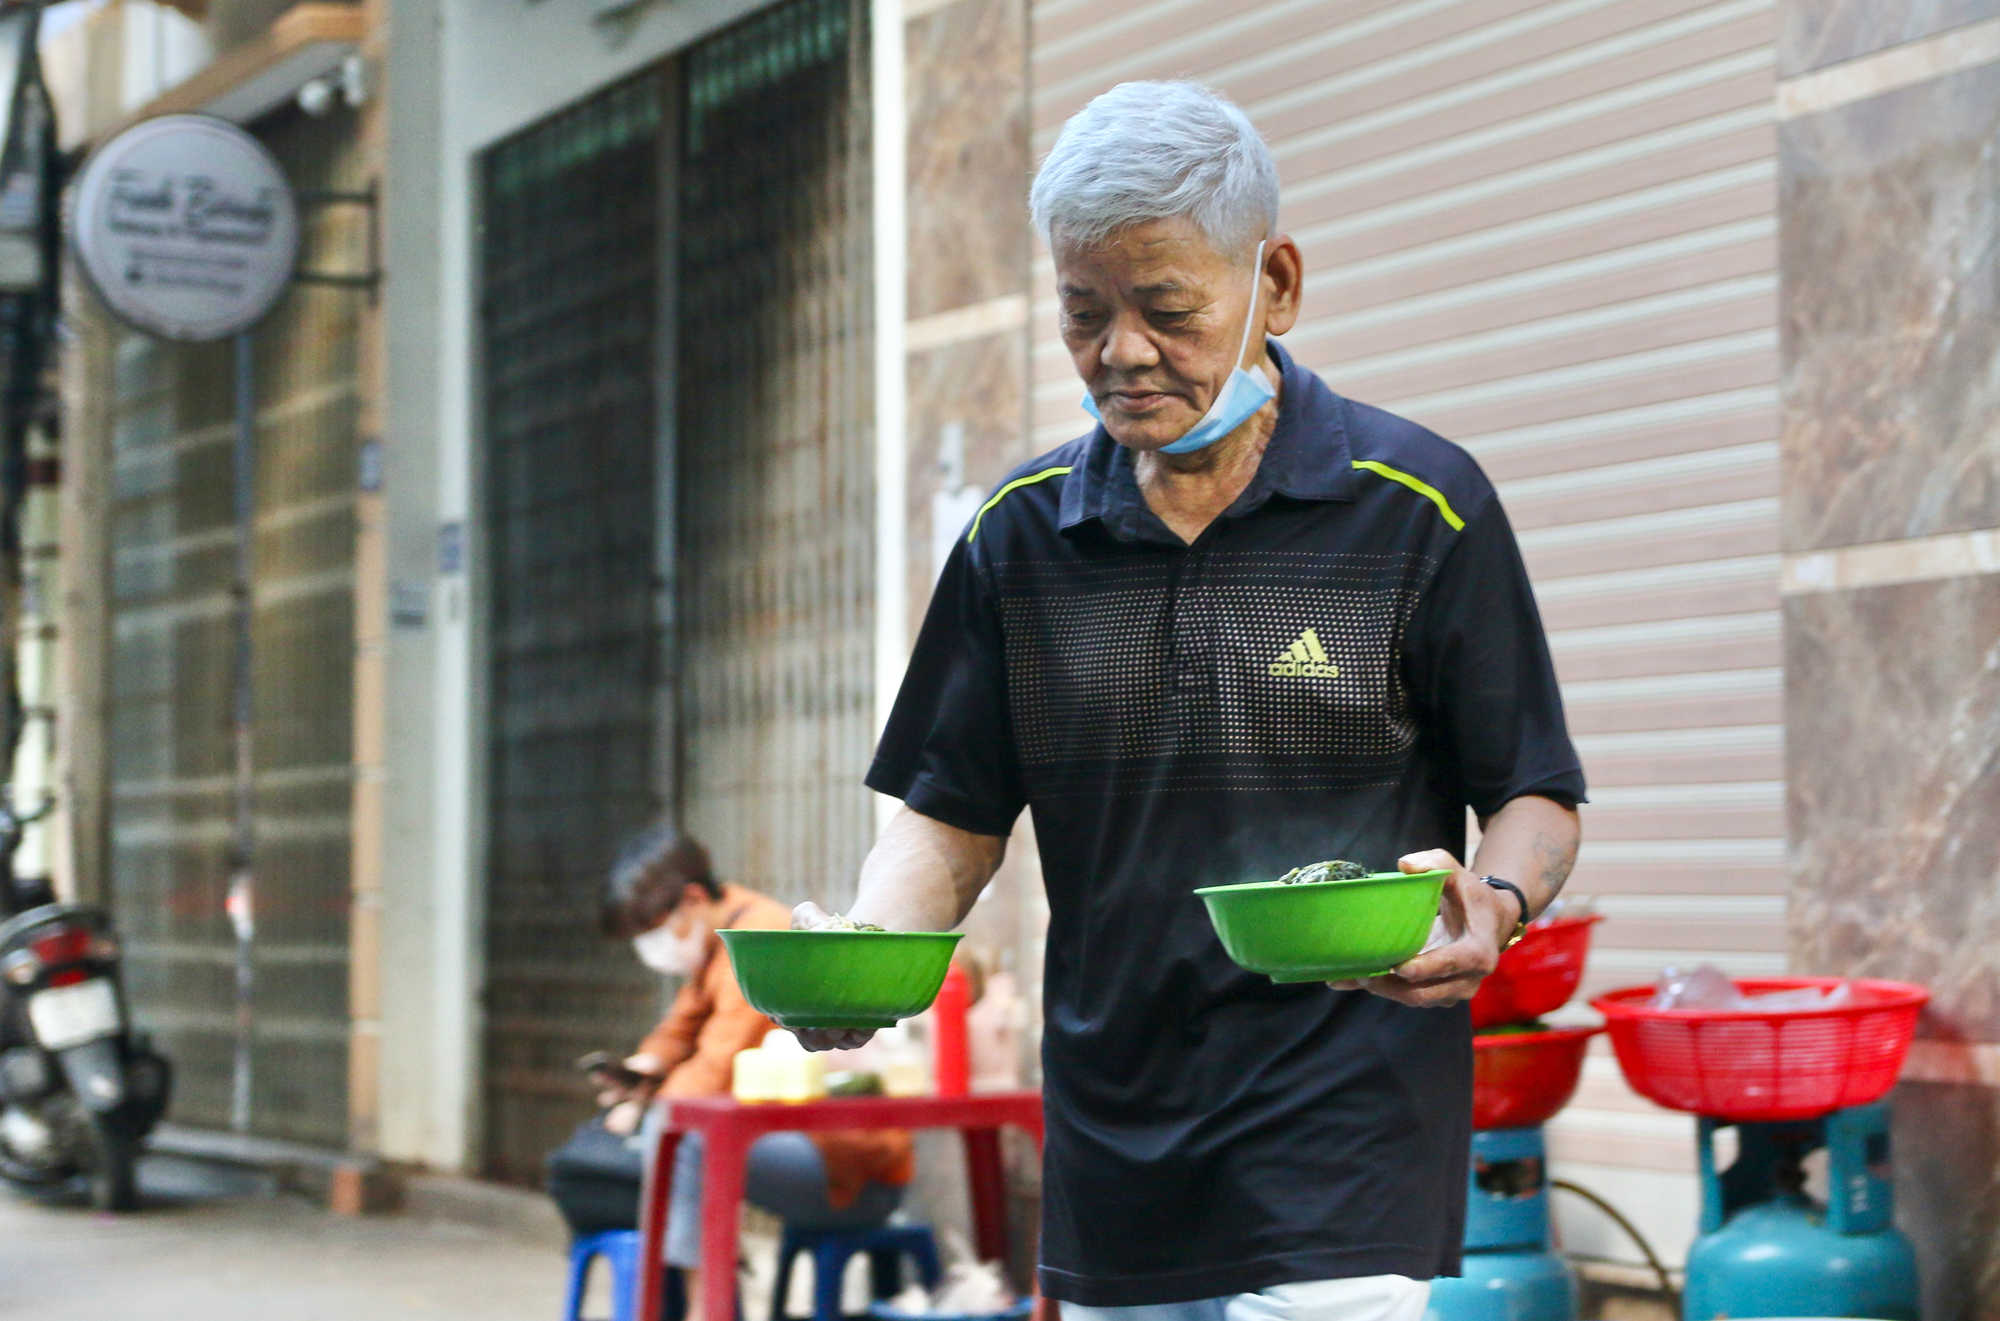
[1154,151]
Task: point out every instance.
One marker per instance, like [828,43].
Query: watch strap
[1520,927]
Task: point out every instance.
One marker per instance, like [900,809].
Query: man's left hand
[1478,920]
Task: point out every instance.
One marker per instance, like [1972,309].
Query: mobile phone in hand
[606,1071]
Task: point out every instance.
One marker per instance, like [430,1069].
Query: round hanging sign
[187,226]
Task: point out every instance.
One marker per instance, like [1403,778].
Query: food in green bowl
[841,977]
[1339,869]
[1325,931]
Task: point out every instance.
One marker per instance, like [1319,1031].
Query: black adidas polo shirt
[1338,667]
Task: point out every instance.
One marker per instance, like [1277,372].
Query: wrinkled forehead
[1154,256]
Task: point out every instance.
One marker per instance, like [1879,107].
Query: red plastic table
[731,1126]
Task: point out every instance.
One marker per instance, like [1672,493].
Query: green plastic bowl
[1325,931]
[861,979]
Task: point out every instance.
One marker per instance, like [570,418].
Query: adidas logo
[1304,659]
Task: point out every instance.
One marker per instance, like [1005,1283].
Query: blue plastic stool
[832,1249]
[619,1248]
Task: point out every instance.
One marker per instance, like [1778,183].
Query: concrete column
[426,1080]
[1890,237]
[83,653]
[371,627]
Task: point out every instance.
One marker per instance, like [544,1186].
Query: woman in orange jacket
[663,896]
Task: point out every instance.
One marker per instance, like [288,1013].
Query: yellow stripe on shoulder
[1001,494]
[1421,487]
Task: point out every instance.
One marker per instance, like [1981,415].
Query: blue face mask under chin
[1246,390]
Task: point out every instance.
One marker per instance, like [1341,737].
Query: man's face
[1153,320]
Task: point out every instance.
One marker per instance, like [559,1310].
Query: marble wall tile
[1890,258]
[968,158]
[1892,756]
[968,177]
[968,154]
[1814,33]
[978,385]
[1947,1150]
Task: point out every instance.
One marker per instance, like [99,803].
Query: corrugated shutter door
[570,291]
[776,562]
[725,194]
[1547,231]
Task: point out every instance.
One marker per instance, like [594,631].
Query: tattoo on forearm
[1554,858]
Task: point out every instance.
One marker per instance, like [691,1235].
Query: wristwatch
[1521,927]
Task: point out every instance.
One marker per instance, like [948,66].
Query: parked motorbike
[79,1090]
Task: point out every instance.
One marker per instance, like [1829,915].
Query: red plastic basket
[1751,1065]
[1537,976]
[1520,1079]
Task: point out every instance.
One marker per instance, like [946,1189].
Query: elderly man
[1243,624]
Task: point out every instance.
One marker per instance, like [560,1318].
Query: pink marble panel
[979,386]
[968,154]
[1892,708]
[1812,33]
[1947,1151]
[1890,258]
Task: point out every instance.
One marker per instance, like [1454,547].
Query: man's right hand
[809,916]
[921,875]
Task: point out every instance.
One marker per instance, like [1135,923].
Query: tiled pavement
[217,1244]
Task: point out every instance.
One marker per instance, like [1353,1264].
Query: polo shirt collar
[1308,458]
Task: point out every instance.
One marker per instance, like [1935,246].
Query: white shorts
[1366,1298]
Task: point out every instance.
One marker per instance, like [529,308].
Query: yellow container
[779,1070]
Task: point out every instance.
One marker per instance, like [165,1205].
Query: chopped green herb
[1337,870]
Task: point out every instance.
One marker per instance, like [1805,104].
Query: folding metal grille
[677,626]
[572,287]
[775,426]
[170,752]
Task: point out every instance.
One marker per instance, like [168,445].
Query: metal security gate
[572,290]
[775,470]
[170,753]
[675,304]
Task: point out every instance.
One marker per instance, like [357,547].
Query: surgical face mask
[1246,390]
[671,955]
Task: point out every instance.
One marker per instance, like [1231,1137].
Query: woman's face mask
[672,955]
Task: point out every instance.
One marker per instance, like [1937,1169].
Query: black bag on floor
[594,1178]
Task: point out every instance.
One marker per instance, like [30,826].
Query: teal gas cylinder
[1510,1274]
[1767,1249]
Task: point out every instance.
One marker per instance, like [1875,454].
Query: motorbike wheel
[114,1161]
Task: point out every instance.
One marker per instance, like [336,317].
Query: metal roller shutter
[676,370]
[776,598]
[571,274]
